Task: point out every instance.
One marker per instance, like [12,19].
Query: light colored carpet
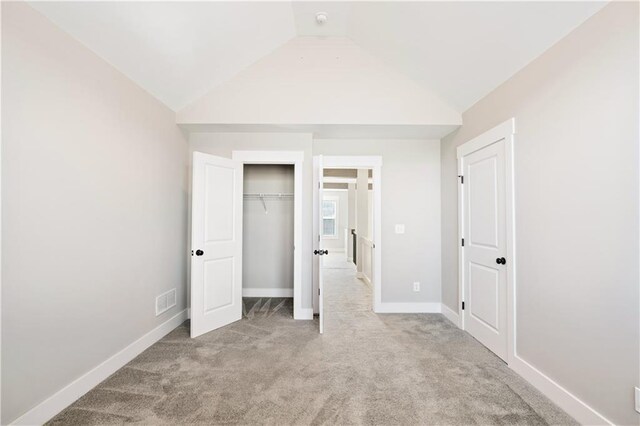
[394,369]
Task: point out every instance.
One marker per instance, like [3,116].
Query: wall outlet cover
[416,286]
[400,229]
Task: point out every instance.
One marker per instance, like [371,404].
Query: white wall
[223,144]
[576,191]
[410,196]
[338,243]
[93,210]
[267,238]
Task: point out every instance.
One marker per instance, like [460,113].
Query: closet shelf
[267,195]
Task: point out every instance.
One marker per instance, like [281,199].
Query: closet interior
[268,231]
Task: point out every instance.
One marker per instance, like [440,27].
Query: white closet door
[216,260]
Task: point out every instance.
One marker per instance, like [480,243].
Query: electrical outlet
[400,229]
[416,286]
[638,399]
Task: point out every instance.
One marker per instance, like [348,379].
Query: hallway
[347,299]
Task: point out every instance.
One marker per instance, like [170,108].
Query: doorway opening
[274,188]
[267,239]
[347,211]
[347,235]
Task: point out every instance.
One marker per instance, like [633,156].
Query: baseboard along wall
[57,402]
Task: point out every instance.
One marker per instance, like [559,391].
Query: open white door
[216,241]
[318,249]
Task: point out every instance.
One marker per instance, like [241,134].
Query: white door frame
[295,158]
[504,131]
[374,163]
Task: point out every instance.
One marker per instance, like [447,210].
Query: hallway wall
[576,200]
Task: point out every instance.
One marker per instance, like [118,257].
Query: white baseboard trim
[267,292]
[303,314]
[359,275]
[451,315]
[570,403]
[407,308]
[366,279]
[51,406]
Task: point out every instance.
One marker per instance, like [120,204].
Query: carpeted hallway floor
[409,369]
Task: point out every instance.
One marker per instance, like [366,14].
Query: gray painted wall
[223,144]
[267,239]
[93,210]
[410,196]
[576,190]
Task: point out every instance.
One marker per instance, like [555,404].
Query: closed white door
[318,249]
[216,241]
[484,232]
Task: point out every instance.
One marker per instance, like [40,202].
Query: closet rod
[269,195]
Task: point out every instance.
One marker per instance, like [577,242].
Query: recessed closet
[268,231]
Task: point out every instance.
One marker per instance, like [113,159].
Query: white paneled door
[318,249]
[485,246]
[216,242]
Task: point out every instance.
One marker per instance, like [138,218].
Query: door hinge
[463,306]
[463,242]
[461,178]
[318,292]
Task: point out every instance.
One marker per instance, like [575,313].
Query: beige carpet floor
[394,369]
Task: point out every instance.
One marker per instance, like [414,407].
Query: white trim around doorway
[504,131]
[296,158]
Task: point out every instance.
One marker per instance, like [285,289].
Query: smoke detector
[321,17]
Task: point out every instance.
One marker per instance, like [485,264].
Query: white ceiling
[178,51]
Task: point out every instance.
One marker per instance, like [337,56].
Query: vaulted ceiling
[179,51]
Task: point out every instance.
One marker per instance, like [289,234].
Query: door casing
[504,131]
[295,158]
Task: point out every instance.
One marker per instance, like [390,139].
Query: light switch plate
[638,399]
[400,229]
[416,286]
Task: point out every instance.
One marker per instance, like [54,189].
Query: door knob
[501,261]
[199,252]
